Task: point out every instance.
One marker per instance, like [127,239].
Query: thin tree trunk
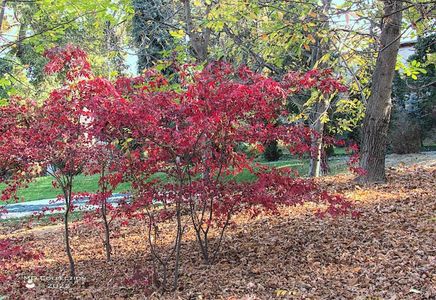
[178,247]
[378,110]
[317,144]
[20,50]
[107,243]
[68,247]
[67,194]
[2,14]
[315,167]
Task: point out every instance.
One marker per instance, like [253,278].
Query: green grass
[339,151]
[302,165]
[41,188]
[299,165]
[44,220]
[429,147]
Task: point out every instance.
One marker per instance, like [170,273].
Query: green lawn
[302,165]
[42,187]
[76,215]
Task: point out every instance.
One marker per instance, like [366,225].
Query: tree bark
[317,144]
[68,198]
[315,167]
[2,14]
[378,110]
[199,40]
[106,241]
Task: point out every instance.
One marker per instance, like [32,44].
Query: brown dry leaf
[388,253]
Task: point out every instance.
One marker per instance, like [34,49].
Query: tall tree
[30,27]
[378,110]
[115,62]
[321,106]
[199,38]
[151,25]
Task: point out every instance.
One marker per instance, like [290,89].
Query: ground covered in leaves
[388,253]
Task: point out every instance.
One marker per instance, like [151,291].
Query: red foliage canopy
[176,140]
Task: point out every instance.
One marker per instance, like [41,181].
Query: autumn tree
[376,122]
[151,24]
[189,135]
[384,25]
[177,144]
[53,137]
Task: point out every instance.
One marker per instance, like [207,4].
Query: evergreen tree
[151,30]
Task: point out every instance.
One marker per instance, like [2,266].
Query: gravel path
[23,209]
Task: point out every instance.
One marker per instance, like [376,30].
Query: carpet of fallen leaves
[388,253]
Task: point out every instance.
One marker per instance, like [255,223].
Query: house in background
[407,48]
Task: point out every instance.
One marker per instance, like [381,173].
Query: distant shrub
[248,149]
[272,151]
[329,150]
[405,136]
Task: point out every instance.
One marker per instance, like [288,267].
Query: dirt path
[421,159]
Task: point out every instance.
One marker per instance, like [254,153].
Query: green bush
[272,151]
[405,136]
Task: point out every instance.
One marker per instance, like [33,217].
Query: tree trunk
[68,198]
[317,145]
[68,246]
[106,241]
[378,110]
[20,50]
[2,14]
[199,40]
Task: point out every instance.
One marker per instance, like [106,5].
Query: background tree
[378,109]
[151,25]
[34,26]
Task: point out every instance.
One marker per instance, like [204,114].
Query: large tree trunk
[198,39]
[378,110]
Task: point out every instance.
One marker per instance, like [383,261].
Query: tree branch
[57,26]
[255,55]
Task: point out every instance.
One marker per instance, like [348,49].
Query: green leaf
[178,34]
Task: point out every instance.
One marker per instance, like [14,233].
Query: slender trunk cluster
[165,266]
